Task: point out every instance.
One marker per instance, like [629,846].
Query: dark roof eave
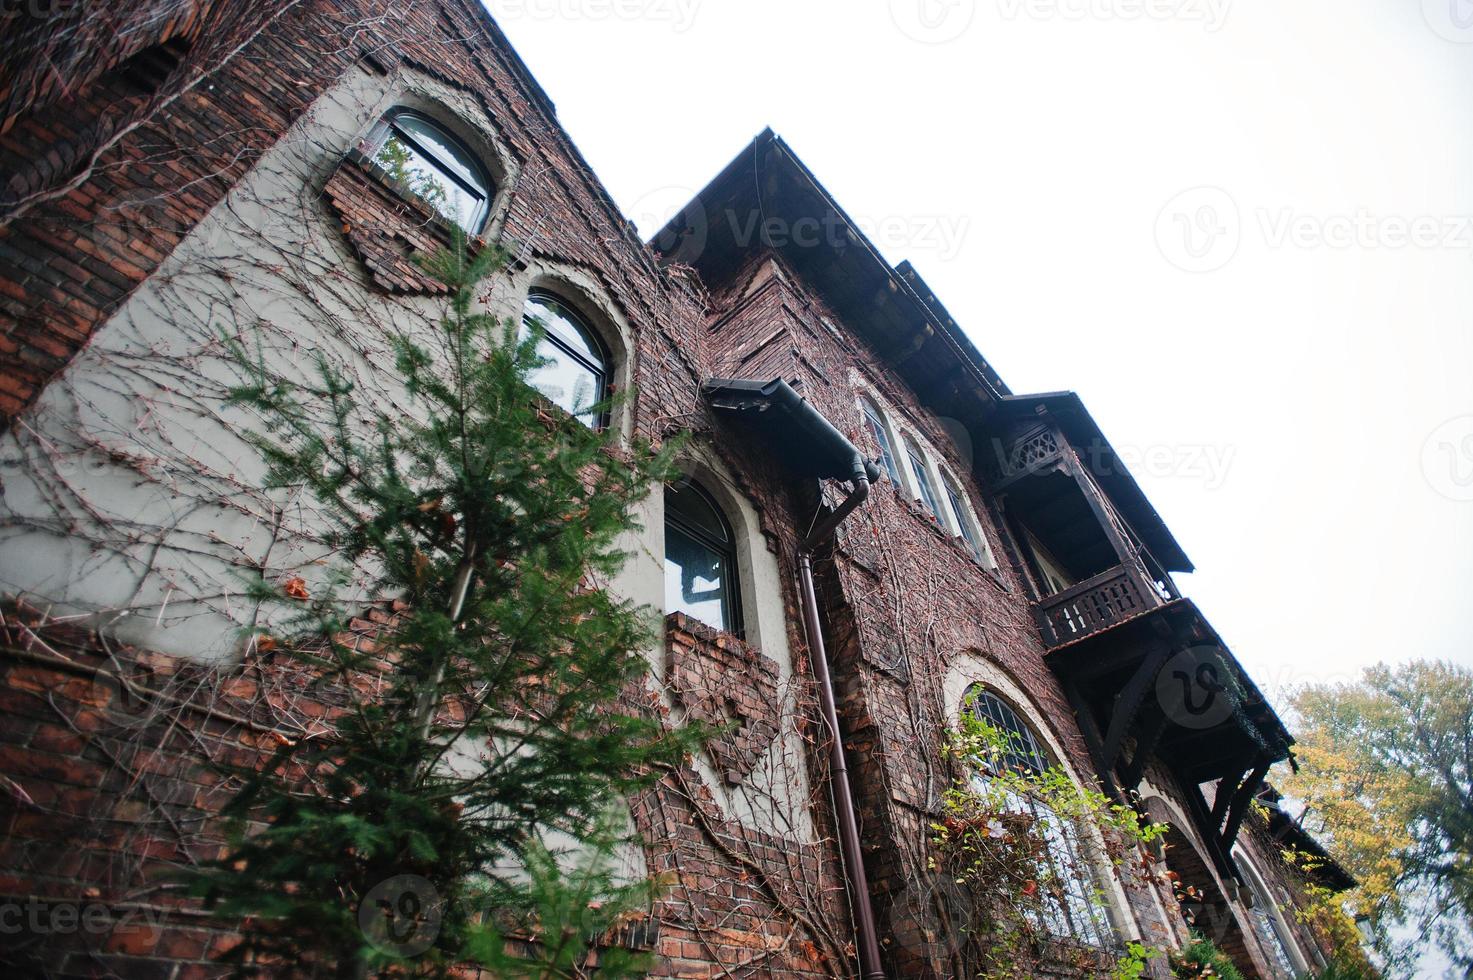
[766,177]
[1325,870]
[862,260]
[1117,481]
[962,344]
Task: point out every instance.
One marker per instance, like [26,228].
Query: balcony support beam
[1128,702]
[1145,747]
[1241,799]
[1090,729]
[1227,788]
[1211,840]
[1096,502]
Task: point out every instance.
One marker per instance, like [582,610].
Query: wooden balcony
[1096,604]
[1038,449]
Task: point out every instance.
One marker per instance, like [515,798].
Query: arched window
[882,438]
[575,376]
[1076,910]
[1269,924]
[700,558]
[434,165]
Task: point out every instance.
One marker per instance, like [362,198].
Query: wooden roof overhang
[1064,411]
[1322,869]
[766,198]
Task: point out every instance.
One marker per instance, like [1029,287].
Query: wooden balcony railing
[1095,604]
[1033,450]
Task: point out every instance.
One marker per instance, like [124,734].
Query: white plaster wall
[129,496]
[775,795]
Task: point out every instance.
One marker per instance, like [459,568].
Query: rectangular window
[923,481]
[966,530]
[882,438]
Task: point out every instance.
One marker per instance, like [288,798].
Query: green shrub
[1203,959]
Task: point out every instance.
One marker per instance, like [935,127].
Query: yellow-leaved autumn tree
[1384,781]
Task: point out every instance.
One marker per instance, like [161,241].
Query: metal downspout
[866,937]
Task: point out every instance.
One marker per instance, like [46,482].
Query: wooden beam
[1128,702]
[1241,800]
[1091,732]
[1123,550]
[1145,748]
[1210,839]
[1227,788]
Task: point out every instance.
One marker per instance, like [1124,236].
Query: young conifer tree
[504,709]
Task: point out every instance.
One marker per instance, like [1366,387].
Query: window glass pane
[696,577]
[428,179]
[877,426]
[1073,907]
[449,154]
[923,482]
[969,532]
[566,382]
[1024,753]
[560,322]
[690,507]
[574,376]
[700,565]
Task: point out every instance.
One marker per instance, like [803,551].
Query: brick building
[182,168]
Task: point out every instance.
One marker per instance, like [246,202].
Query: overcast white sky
[1242,231]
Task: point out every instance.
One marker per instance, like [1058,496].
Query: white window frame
[966,519]
[1262,894]
[868,403]
[938,475]
[917,451]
